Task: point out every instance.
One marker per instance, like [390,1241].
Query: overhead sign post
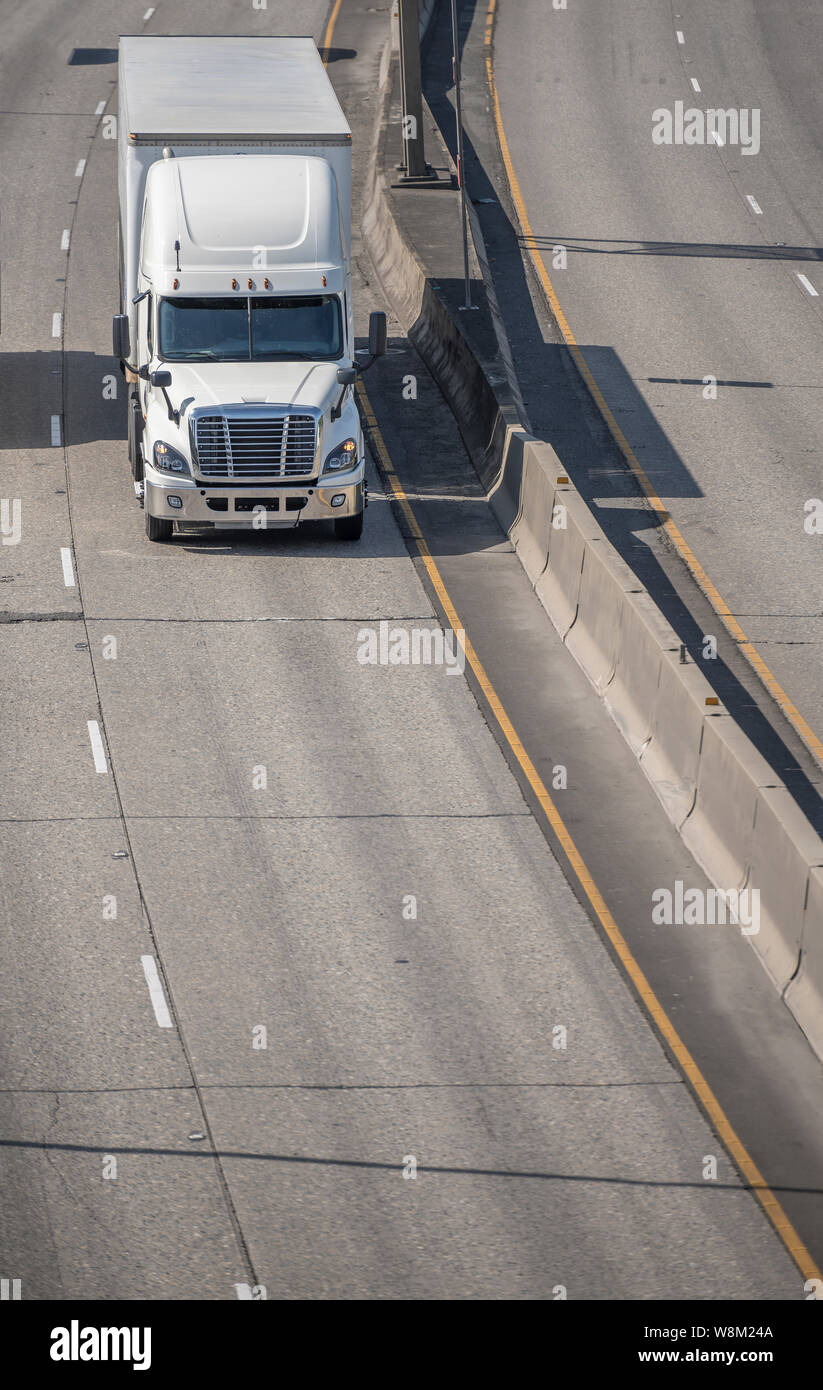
[411,93]
[461,169]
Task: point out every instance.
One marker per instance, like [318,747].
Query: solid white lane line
[78,173]
[99,752]
[55,429]
[158,998]
[680,38]
[807,284]
[99,108]
[754,205]
[68,567]
[56,325]
[695,83]
[65,239]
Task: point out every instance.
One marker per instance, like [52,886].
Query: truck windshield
[242,330]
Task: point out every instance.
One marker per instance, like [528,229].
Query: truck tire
[157,529]
[349,528]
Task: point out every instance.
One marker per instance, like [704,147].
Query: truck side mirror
[346,376]
[120,336]
[378,333]
[161,379]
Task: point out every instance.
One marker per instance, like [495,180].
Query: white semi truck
[235,330]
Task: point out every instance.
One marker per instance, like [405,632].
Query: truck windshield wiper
[196,356]
[287,357]
[210,356]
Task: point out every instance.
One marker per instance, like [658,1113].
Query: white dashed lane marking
[158,998]
[98,751]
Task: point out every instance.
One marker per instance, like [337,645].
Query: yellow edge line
[745,1164]
[326,49]
[718,603]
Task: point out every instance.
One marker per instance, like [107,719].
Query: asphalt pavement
[679,267]
[279,928]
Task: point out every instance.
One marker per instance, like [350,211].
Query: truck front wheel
[349,528]
[157,529]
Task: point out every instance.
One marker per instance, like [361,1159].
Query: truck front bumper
[188,501]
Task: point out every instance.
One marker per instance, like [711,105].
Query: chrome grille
[281,446]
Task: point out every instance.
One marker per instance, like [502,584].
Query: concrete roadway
[388,1037]
[689,261]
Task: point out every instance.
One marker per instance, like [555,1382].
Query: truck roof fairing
[235,217]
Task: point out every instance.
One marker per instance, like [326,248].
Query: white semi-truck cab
[236,326]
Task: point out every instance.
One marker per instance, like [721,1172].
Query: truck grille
[280,446]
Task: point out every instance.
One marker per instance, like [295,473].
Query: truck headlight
[342,457]
[168,460]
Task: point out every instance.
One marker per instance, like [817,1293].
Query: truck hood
[253,383]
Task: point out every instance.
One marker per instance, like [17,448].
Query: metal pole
[404,162]
[411,90]
[461,172]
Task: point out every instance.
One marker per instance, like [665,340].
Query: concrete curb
[735,815]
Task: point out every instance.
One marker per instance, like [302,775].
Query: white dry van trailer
[235,329]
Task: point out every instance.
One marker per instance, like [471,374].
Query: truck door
[144,346]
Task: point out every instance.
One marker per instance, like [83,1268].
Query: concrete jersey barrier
[734,814]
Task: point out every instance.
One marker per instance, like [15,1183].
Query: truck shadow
[311,540]
[92,57]
[33,386]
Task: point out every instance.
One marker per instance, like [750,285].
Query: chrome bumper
[234,509]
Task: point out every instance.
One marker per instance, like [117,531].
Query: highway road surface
[689,275]
[296,996]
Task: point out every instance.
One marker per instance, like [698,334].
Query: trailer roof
[190,86]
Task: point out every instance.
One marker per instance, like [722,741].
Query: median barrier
[734,814]
[785,852]
[804,994]
[631,695]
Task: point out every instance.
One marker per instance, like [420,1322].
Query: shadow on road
[560,409]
